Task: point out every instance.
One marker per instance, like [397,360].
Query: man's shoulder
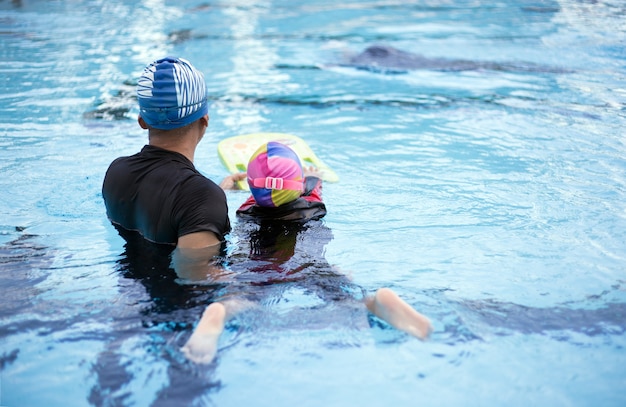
[126,159]
[195,182]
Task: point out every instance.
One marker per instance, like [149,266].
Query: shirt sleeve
[202,207]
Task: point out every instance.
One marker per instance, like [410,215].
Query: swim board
[235,152]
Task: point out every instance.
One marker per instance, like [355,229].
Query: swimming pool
[487,188]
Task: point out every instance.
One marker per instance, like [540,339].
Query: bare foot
[396,312]
[202,345]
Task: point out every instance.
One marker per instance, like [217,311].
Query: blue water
[492,199]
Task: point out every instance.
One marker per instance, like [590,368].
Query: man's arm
[198,240]
[194,257]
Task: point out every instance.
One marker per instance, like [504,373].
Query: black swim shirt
[160,194]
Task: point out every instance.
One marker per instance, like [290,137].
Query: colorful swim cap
[275,175]
[172,94]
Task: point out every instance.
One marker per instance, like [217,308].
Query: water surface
[490,196]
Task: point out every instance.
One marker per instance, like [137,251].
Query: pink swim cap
[275,175]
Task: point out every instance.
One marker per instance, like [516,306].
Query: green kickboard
[235,152]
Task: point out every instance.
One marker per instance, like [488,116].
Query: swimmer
[158,193]
[283,191]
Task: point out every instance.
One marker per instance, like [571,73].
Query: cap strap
[277,183]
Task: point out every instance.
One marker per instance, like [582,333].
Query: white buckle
[273,183]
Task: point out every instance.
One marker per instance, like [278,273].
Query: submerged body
[387,58]
[283,206]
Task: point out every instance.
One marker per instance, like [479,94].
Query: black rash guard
[160,194]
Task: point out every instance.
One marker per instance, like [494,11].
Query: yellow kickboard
[235,152]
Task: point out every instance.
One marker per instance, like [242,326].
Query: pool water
[486,184]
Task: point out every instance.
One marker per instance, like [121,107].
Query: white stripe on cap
[193,92]
[145,82]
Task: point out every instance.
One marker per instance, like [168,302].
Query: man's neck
[182,142]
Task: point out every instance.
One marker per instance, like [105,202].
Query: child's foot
[388,306]
[202,345]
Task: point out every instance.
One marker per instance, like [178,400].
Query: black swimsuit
[161,195]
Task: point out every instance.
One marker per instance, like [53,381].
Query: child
[280,189]
[282,193]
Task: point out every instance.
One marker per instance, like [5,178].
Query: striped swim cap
[171,93]
[275,175]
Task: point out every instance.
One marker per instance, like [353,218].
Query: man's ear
[142,123]
[205,120]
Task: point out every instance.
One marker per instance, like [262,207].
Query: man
[158,193]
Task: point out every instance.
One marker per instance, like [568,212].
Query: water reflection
[279,269]
[160,303]
[277,254]
[151,314]
[560,321]
[23,264]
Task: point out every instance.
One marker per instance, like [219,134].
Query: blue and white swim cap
[171,93]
